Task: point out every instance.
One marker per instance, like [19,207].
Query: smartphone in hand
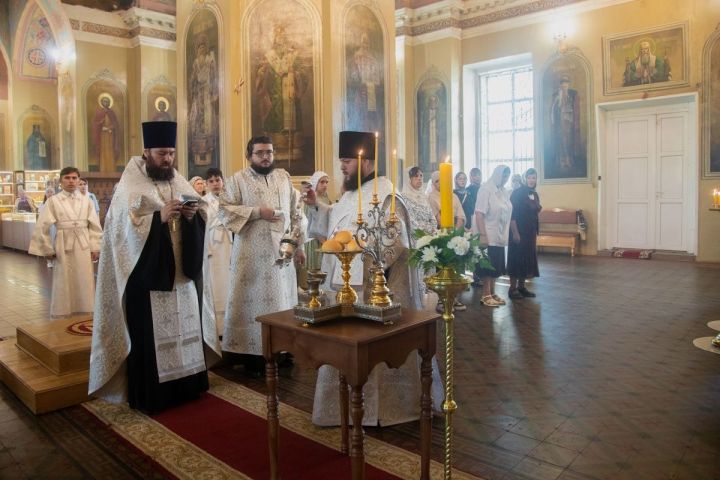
[187,200]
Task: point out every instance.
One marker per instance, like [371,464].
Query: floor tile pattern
[596,378]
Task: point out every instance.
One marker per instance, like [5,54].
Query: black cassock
[155,271]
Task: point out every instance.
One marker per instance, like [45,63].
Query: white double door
[651,178]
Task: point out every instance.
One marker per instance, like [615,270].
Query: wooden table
[353,346]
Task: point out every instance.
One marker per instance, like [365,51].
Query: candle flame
[360,152]
[447,159]
[377,134]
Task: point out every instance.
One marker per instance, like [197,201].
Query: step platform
[63,345]
[47,365]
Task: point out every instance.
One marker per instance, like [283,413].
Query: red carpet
[224,435]
[239,439]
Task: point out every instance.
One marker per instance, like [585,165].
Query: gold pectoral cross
[174,224]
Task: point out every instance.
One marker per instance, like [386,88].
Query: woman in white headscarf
[434,200]
[319,183]
[493,212]
[198,184]
[419,210]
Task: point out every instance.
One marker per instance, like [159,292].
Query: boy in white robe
[73,250]
[218,247]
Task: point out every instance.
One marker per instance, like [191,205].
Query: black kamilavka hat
[352,142]
[159,134]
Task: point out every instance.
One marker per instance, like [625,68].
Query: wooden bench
[559,228]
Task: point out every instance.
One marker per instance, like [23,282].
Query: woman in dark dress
[466,199]
[522,250]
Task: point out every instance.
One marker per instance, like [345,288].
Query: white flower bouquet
[456,249]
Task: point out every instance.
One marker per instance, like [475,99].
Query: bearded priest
[391,395]
[149,346]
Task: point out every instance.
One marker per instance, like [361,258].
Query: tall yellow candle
[393,176]
[376,163]
[446,193]
[360,182]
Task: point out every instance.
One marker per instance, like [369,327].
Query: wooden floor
[596,378]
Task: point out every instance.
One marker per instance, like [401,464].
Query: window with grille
[506,126]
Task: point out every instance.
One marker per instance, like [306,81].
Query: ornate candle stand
[346,295]
[378,235]
[447,283]
[378,239]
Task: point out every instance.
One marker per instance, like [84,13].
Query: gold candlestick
[380,294]
[346,295]
[314,278]
[447,283]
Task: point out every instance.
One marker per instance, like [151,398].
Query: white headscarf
[430,191]
[315,180]
[316,177]
[416,195]
[496,177]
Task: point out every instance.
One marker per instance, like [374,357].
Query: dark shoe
[477,283]
[526,293]
[515,295]
[254,366]
[459,306]
[285,360]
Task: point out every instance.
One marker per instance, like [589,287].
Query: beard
[262,170]
[350,183]
[158,173]
[645,58]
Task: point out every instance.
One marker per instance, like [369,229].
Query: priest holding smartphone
[149,336]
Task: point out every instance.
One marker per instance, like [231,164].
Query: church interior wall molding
[124,28]
[453,18]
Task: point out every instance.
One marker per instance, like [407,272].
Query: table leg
[344,414]
[357,454]
[425,415]
[271,379]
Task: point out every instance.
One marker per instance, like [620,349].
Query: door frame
[642,106]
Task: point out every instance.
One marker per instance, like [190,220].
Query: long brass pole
[447,283]
[449,405]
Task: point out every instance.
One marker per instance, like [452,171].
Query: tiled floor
[596,378]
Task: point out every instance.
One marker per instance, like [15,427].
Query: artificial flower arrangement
[454,248]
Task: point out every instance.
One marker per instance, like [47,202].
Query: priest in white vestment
[391,395]
[150,344]
[218,248]
[260,205]
[70,247]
